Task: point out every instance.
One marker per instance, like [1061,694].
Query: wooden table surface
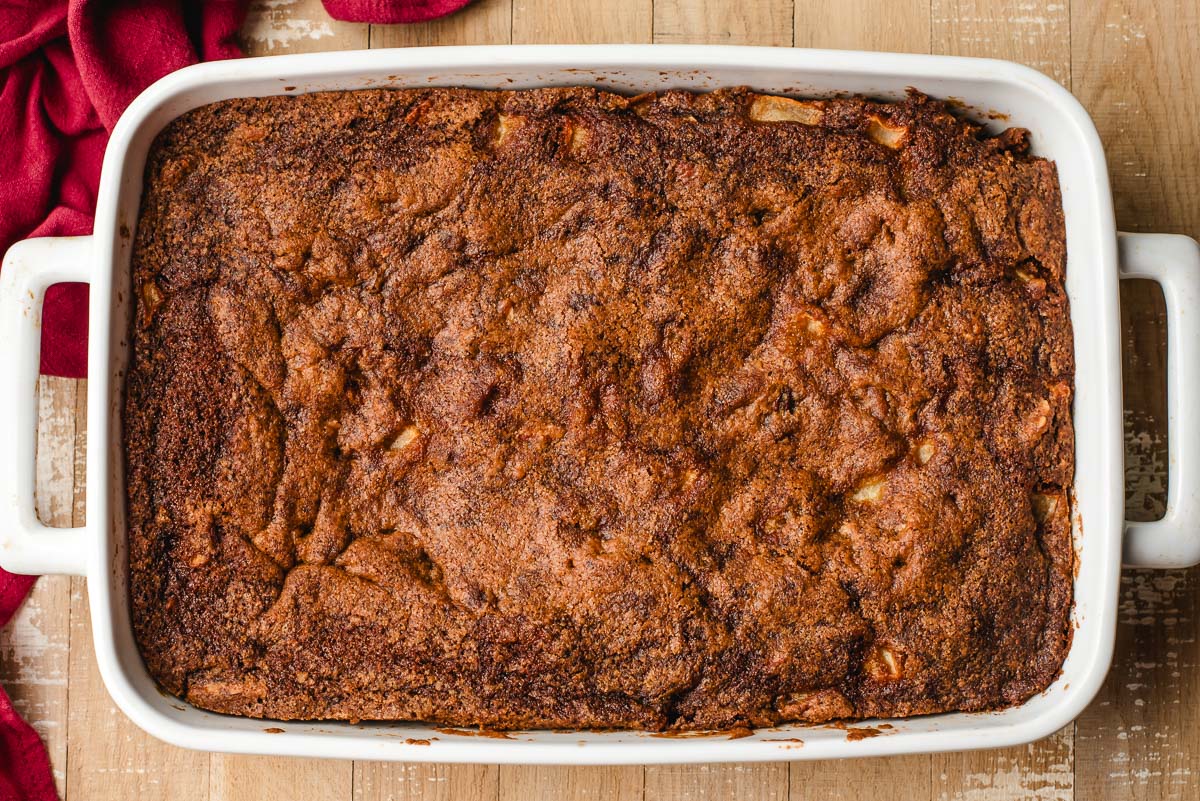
[1135,64]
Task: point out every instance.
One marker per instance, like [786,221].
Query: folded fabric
[391,11]
[67,71]
[24,767]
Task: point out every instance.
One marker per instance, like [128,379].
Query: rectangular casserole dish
[1014,95]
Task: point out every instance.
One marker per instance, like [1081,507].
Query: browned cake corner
[561,409]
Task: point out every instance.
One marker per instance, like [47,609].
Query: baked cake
[564,409]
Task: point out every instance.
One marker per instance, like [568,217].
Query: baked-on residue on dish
[563,409]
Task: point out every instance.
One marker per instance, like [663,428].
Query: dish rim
[1090,205]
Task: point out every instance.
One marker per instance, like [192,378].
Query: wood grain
[107,756]
[571,783]
[581,21]
[1033,32]
[1044,770]
[482,22]
[233,778]
[1135,66]
[384,781]
[899,26]
[749,780]
[897,778]
[903,27]
[275,27]
[757,22]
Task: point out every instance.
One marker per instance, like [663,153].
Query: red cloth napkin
[67,71]
[391,11]
[24,767]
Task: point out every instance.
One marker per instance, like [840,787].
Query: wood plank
[757,22]
[901,26]
[571,783]
[78,518]
[386,781]
[276,27]
[273,27]
[34,653]
[1138,739]
[892,778]
[1135,67]
[1044,770]
[79,455]
[34,646]
[54,492]
[751,22]
[576,21]
[751,781]
[1032,32]
[279,779]
[581,21]
[107,756]
[482,22]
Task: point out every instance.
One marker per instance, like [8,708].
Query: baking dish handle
[26,544]
[1173,262]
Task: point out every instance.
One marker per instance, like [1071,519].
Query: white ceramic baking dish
[1061,130]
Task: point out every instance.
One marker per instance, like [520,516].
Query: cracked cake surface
[558,408]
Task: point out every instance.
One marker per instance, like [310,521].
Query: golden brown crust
[560,409]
